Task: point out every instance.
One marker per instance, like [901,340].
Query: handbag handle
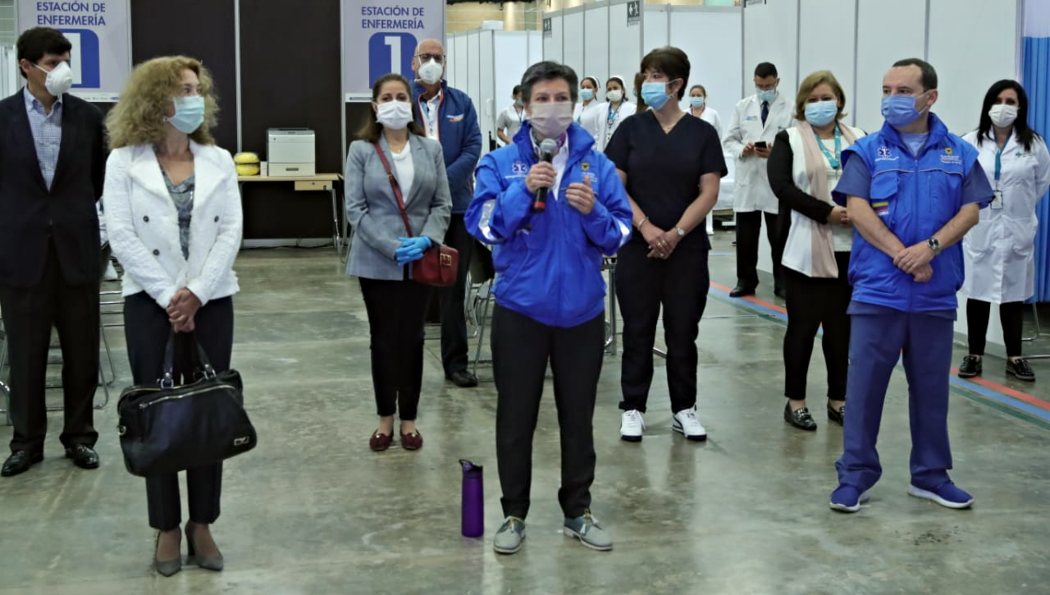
[202,365]
[395,187]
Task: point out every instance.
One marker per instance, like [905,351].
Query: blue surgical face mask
[189,114]
[655,94]
[821,113]
[899,110]
[766,95]
[696,101]
[586,94]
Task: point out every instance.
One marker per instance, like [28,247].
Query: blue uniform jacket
[460,140]
[548,264]
[914,197]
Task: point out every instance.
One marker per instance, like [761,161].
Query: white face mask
[614,95]
[59,79]
[394,115]
[550,120]
[430,72]
[1003,115]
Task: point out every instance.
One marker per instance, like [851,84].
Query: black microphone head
[548,148]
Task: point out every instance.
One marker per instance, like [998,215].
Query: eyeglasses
[428,57]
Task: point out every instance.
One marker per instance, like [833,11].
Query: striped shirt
[47,134]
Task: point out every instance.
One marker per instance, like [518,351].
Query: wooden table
[314,183]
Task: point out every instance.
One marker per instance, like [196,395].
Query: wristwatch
[935,245]
[681,232]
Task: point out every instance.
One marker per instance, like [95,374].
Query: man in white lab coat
[756,121]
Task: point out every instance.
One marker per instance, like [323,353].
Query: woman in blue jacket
[550,294]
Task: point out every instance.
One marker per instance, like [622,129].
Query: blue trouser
[876,341]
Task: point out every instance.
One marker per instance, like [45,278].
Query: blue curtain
[1036,59]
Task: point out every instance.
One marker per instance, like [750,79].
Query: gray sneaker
[588,531]
[509,537]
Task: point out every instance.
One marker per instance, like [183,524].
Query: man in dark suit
[52,167]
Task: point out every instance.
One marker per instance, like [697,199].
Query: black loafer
[83,456]
[19,462]
[463,379]
[1019,369]
[741,291]
[837,416]
[800,418]
[971,366]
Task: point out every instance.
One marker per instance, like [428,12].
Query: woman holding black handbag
[398,202]
[173,213]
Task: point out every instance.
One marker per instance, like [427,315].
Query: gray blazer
[372,209]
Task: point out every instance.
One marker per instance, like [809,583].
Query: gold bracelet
[641,223]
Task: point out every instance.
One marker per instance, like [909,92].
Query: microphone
[548,148]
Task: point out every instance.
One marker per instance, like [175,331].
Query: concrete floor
[312,510]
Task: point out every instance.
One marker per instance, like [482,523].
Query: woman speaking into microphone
[550,223]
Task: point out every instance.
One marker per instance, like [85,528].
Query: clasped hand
[182,310]
[411,249]
[915,261]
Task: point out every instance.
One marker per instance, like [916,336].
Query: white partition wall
[827,41]
[771,35]
[552,37]
[711,37]
[968,63]
[625,44]
[875,54]
[486,105]
[572,39]
[656,28]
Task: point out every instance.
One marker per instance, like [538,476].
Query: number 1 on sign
[394,43]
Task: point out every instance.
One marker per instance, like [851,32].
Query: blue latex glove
[411,249]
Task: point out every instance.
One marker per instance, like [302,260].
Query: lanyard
[833,160]
[613,114]
[999,164]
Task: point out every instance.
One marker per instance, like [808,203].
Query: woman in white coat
[588,109]
[1000,250]
[613,111]
[173,213]
[698,108]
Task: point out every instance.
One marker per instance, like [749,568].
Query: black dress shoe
[83,456]
[971,366]
[19,462]
[837,415]
[800,418]
[463,378]
[1019,369]
[741,291]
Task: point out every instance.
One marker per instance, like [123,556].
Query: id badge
[997,200]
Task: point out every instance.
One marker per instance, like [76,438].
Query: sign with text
[100,32]
[634,12]
[380,37]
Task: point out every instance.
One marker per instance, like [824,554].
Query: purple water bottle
[473,499]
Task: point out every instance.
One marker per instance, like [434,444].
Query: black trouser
[453,317]
[748,229]
[811,303]
[396,313]
[147,329]
[29,313]
[1011,315]
[521,348]
[643,284]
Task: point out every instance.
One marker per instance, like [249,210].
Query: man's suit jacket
[30,213]
[373,212]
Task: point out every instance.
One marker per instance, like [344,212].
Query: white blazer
[751,191]
[604,131]
[999,251]
[143,224]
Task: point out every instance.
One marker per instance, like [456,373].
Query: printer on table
[290,152]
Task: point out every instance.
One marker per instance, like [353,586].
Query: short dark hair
[929,75]
[765,69]
[517,89]
[701,87]
[34,43]
[549,71]
[373,130]
[671,61]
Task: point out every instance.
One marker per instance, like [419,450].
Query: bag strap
[202,365]
[395,187]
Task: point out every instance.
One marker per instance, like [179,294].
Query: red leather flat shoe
[380,442]
[413,441]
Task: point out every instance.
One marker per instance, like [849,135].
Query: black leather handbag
[166,428]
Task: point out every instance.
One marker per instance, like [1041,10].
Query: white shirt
[510,119]
[404,169]
[431,115]
[588,116]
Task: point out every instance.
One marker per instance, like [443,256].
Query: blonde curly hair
[138,118]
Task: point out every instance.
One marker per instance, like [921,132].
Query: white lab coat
[752,191]
[588,116]
[604,132]
[1000,250]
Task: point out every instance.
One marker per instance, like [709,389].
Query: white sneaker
[632,425]
[687,424]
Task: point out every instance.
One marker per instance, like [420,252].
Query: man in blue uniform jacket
[912,190]
[448,116]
